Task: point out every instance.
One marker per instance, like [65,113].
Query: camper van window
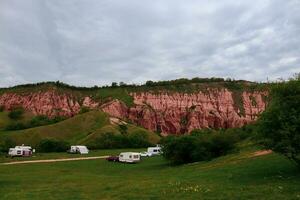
[130,156]
[155,150]
[135,156]
[121,155]
[18,152]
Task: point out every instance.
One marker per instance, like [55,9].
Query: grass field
[79,129]
[236,176]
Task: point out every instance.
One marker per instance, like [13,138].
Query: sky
[96,42]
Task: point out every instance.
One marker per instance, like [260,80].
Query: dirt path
[261,153]
[53,160]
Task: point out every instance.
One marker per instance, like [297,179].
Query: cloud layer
[95,42]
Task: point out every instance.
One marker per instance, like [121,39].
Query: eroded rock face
[179,113]
[167,113]
[47,103]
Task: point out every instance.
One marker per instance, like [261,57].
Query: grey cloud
[91,42]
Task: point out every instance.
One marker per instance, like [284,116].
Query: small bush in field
[115,141]
[84,109]
[16,113]
[53,145]
[199,146]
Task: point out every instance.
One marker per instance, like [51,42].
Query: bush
[39,120]
[15,126]
[198,147]
[279,125]
[84,109]
[53,145]
[115,141]
[123,129]
[6,144]
[2,108]
[16,113]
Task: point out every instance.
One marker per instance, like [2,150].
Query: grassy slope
[78,129]
[5,120]
[235,176]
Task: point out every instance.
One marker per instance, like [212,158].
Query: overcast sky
[95,42]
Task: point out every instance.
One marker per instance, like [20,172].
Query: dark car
[113,158]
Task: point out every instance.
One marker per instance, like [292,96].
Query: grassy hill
[79,129]
[5,120]
[235,176]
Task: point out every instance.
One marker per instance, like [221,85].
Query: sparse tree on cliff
[279,125]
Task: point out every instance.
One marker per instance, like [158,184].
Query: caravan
[154,150]
[22,151]
[129,157]
[79,149]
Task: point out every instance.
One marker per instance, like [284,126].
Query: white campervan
[154,150]
[79,149]
[129,157]
[23,151]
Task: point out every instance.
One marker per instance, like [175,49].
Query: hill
[168,107]
[80,129]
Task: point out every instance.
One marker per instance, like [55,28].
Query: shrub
[114,141]
[39,120]
[6,144]
[53,145]
[84,109]
[279,125]
[123,129]
[15,126]
[138,140]
[179,150]
[16,113]
[198,147]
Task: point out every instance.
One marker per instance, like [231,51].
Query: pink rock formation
[178,113]
[174,113]
[47,103]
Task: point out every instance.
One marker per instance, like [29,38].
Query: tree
[53,145]
[123,129]
[16,113]
[114,84]
[279,125]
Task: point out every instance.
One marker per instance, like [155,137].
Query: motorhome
[22,151]
[79,149]
[129,157]
[154,150]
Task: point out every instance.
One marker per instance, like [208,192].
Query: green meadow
[236,176]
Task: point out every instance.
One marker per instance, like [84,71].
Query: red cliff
[179,113]
[164,112]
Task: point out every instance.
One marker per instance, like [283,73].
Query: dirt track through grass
[53,160]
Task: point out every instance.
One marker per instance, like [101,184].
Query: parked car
[113,158]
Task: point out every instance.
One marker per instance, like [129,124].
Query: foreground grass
[236,176]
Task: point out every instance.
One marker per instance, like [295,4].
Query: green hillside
[5,120]
[79,129]
[235,176]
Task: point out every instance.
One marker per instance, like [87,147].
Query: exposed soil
[53,160]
